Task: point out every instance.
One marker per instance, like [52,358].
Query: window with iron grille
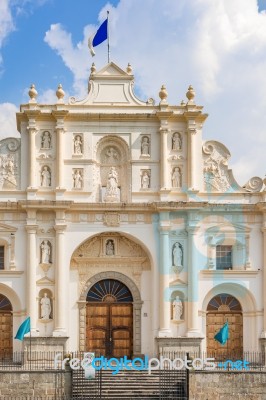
[2,257]
[223,257]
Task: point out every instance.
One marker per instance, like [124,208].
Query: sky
[219,47]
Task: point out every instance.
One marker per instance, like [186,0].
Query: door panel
[6,329]
[234,345]
[109,329]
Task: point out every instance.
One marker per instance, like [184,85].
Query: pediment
[227,228]
[111,69]
[112,86]
[45,281]
[7,229]
[178,282]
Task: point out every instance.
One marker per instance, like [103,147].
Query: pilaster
[60,129]
[61,281]
[164,276]
[193,318]
[31,276]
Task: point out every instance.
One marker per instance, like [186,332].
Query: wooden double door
[6,328]
[109,329]
[221,309]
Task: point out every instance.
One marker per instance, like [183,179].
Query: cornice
[231,273]
[12,273]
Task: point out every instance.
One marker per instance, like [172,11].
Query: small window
[2,257]
[223,257]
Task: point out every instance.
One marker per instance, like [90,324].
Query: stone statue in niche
[145,146]
[145,180]
[112,155]
[176,177]
[45,176]
[112,182]
[45,252]
[110,248]
[77,145]
[177,255]
[177,309]
[176,141]
[77,179]
[46,140]
[45,307]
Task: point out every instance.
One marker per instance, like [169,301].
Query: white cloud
[218,46]
[6,21]
[8,126]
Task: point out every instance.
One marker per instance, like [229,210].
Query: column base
[194,333]
[165,333]
[34,332]
[178,345]
[59,333]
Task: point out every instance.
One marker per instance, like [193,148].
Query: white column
[193,290]
[60,157]
[164,161]
[32,157]
[61,284]
[192,158]
[263,335]
[165,304]
[31,277]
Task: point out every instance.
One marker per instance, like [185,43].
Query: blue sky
[217,46]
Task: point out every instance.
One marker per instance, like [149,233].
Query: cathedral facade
[125,233]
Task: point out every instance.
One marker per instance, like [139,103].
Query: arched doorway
[6,327]
[109,319]
[224,307]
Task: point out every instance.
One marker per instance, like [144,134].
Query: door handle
[110,339]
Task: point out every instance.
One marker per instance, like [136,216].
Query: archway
[6,327]
[109,319]
[221,308]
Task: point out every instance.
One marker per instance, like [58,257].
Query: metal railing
[231,361]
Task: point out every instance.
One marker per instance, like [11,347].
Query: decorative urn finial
[163,94]
[60,93]
[93,69]
[129,68]
[33,94]
[190,94]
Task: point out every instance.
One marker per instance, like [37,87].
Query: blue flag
[98,37]
[23,329]
[223,334]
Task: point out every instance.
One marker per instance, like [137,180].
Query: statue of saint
[145,146]
[77,179]
[45,177]
[45,307]
[110,248]
[177,255]
[46,140]
[77,145]
[145,180]
[176,177]
[177,309]
[112,182]
[176,142]
[111,155]
[45,252]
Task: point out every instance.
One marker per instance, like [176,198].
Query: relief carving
[215,170]
[9,164]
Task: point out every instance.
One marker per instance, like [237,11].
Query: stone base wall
[33,384]
[227,385]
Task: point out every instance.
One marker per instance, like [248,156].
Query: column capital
[31,228]
[32,129]
[59,128]
[60,228]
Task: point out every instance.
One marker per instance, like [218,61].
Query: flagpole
[108,42]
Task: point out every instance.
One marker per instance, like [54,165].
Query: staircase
[129,385]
